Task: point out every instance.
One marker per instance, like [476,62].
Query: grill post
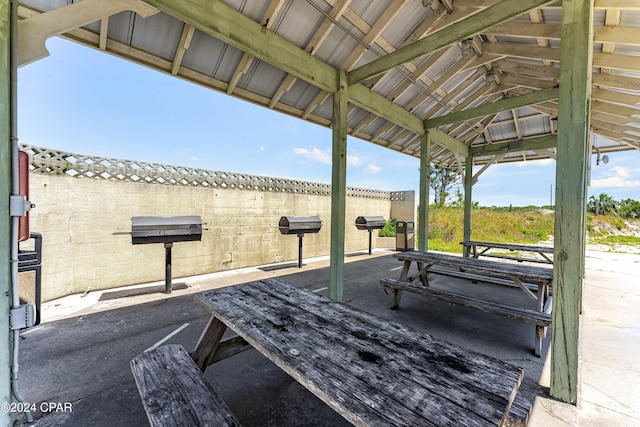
[300,236]
[370,231]
[166,230]
[167,263]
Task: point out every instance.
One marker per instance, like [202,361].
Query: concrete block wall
[84,222]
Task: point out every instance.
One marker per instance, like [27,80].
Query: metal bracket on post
[22,317]
[19,205]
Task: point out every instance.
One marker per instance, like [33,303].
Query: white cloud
[617,177]
[262,148]
[354,161]
[534,163]
[314,154]
[372,168]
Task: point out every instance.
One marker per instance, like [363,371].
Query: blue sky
[88,102]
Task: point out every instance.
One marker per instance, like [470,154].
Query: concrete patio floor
[80,354]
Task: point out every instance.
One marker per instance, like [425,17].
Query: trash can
[405,236]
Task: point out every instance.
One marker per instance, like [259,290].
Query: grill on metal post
[370,223]
[299,225]
[166,230]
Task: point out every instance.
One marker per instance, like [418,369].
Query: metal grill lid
[370,222]
[299,224]
[163,229]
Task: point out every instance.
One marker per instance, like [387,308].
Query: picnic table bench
[476,249]
[174,391]
[522,275]
[371,371]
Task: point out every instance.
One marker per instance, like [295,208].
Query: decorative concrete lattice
[55,162]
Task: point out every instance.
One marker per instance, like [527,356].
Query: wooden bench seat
[522,314]
[516,258]
[542,320]
[481,277]
[174,391]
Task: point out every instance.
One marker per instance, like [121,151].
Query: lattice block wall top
[55,162]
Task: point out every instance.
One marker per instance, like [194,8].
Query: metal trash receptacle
[405,236]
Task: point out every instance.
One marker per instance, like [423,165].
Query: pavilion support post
[423,211]
[338,188]
[571,196]
[6,145]
[468,183]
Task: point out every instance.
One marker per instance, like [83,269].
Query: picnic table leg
[397,294]
[541,331]
[405,271]
[423,274]
[208,343]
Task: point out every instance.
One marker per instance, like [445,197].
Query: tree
[442,181]
[602,205]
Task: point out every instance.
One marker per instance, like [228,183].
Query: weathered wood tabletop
[476,249]
[371,371]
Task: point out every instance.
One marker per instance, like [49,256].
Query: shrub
[389,229]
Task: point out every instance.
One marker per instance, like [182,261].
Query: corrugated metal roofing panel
[208,61]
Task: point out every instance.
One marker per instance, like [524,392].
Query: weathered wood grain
[372,372]
[527,278]
[471,248]
[174,391]
[522,314]
[524,272]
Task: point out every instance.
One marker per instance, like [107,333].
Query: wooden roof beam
[476,23]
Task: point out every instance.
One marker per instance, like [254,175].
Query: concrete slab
[81,353]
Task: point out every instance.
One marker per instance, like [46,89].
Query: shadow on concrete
[140,291]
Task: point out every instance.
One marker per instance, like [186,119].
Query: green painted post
[423,212]
[5,219]
[468,182]
[338,188]
[571,196]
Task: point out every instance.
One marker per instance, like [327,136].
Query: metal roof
[510,61]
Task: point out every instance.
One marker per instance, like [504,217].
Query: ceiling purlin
[599,122]
[487,109]
[373,34]
[224,23]
[312,48]
[425,27]
[481,128]
[615,97]
[218,20]
[437,84]
[183,45]
[612,18]
[449,99]
[268,19]
[460,128]
[417,73]
[476,23]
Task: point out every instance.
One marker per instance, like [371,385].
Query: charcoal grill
[370,223]
[166,230]
[299,225]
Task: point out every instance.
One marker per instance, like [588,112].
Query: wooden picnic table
[371,371]
[476,249]
[522,275]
